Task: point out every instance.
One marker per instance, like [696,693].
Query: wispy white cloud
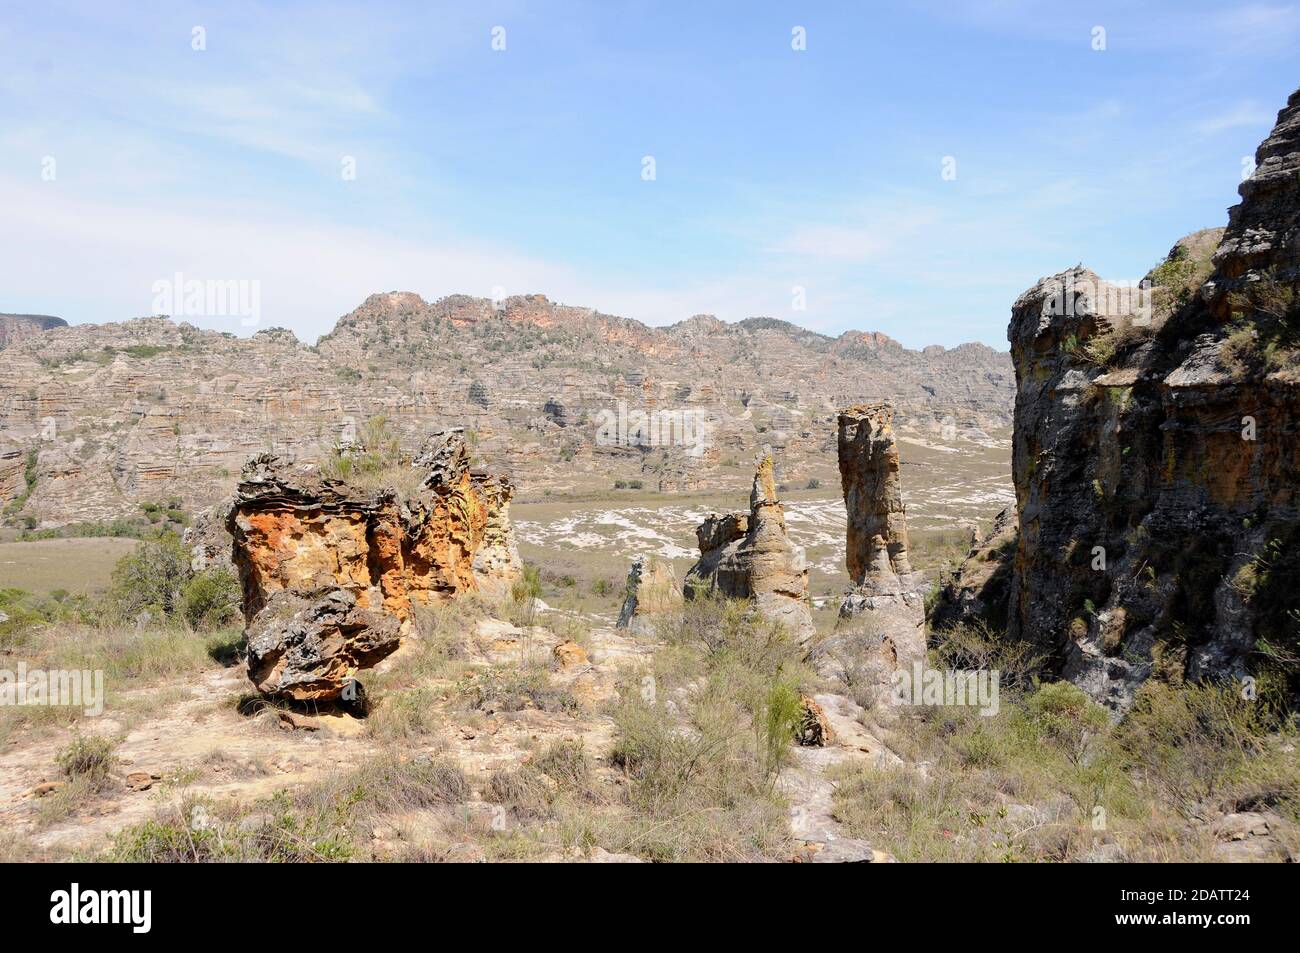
[1233,117]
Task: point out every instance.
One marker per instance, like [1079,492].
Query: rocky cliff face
[17,327]
[1156,462]
[331,573]
[882,616]
[150,410]
[750,556]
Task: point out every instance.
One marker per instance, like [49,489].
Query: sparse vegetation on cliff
[1264,334]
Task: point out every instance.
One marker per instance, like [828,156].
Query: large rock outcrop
[882,616]
[307,646]
[331,572]
[750,556]
[1156,461]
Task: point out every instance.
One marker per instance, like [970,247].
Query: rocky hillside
[16,327]
[1155,462]
[97,419]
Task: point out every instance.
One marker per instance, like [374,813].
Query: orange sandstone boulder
[353,563]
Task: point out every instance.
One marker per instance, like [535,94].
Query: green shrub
[88,756]
[974,645]
[1190,743]
[210,599]
[152,578]
[1066,717]
[778,721]
[524,593]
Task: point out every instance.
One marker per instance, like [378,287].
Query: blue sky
[521,169]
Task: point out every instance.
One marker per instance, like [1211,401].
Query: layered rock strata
[151,410]
[1157,459]
[330,573]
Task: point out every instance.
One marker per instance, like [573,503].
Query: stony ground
[204,746]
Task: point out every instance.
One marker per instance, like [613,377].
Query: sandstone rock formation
[813,729]
[1155,461]
[308,645]
[876,550]
[749,555]
[497,563]
[208,540]
[351,563]
[882,616]
[652,590]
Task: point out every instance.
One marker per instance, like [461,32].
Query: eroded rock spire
[750,555]
[882,616]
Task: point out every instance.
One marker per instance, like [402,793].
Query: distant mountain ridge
[149,409]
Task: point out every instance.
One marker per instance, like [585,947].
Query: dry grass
[131,659]
[320,823]
[75,565]
[1049,779]
[86,764]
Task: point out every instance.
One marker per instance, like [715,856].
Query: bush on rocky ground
[1053,776]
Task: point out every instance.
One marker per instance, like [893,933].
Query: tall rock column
[873,495]
[882,616]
